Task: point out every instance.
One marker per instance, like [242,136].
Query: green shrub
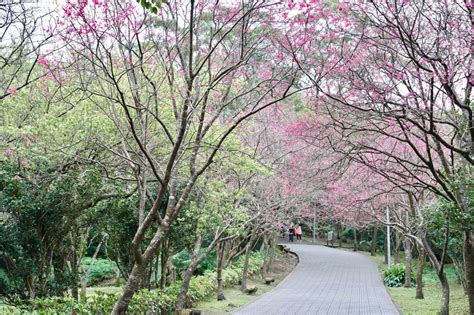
[201,287]
[365,246]
[182,260]
[5,282]
[207,264]
[144,301]
[395,276]
[102,269]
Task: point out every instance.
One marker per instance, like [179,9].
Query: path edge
[288,250]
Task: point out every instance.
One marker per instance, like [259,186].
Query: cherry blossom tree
[190,74]
[400,71]
[25,32]
[379,173]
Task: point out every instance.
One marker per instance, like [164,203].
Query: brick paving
[326,281]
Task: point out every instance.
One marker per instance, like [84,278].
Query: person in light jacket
[298,232]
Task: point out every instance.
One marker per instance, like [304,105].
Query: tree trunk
[445,294]
[138,271]
[273,243]
[86,275]
[195,260]
[142,201]
[439,267]
[75,272]
[153,274]
[266,260]
[460,273]
[398,244]
[339,235]
[468,251]
[373,245]
[147,281]
[157,268]
[248,248]
[219,267]
[407,246]
[171,269]
[419,272]
[385,249]
[133,284]
[164,264]
[356,242]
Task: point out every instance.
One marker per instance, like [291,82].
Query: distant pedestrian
[291,232]
[298,232]
[330,238]
[283,228]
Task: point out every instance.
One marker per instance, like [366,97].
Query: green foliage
[201,287]
[395,276]
[102,269]
[38,220]
[348,233]
[182,260]
[144,301]
[152,5]
[102,303]
[365,246]
[207,264]
[405,299]
[116,218]
[430,275]
[5,283]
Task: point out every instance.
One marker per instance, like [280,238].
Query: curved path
[326,281]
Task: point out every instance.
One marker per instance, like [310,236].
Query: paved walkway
[326,281]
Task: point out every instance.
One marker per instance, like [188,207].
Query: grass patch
[405,297]
[109,290]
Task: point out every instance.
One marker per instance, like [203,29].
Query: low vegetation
[202,287]
[405,299]
[395,276]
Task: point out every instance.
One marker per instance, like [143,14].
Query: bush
[5,282]
[207,264]
[102,269]
[395,276]
[201,287]
[365,246]
[144,301]
[182,260]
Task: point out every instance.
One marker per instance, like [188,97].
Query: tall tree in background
[176,86]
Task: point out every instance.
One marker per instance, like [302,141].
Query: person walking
[283,228]
[291,232]
[298,232]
